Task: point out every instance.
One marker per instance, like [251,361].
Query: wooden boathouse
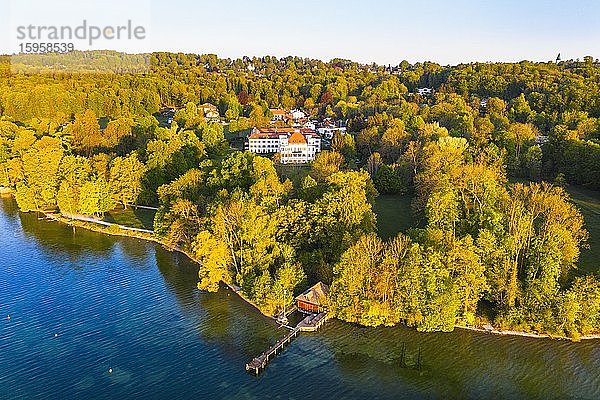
[313,300]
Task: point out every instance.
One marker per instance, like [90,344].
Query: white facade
[310,125]
[295,146]
[265,145]
[297,114]
[300,153]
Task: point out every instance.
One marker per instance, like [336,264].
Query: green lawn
[295,173]
[131,217]
[588,201]
[394,215]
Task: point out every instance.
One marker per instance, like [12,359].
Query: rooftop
[297,138]
[295,135]
[315,295]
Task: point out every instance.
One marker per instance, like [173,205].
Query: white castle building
[295,145]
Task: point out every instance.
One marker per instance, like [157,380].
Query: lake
[82,303]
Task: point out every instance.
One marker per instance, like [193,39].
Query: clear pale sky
[385,31]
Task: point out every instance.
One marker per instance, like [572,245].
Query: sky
[385,31]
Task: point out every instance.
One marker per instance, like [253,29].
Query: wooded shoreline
[115,230]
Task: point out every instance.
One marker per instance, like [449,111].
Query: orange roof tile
[263,135]
[297,138]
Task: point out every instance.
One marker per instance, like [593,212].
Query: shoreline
[96,226]
[117,230]
[494,331]
[99,226]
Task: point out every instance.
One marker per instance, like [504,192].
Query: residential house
[327,131]
[298,115]
[280,114]
[312,125]
[210,111]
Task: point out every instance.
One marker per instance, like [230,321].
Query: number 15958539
[35,47]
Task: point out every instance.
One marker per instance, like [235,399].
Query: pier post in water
[403,356]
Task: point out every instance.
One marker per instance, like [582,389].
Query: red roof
[297,138]
[269,133]
[263,135]
[308,132]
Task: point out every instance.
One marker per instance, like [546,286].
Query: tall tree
[86,132]
[126,175]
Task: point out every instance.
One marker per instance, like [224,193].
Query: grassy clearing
[295,173]
[131,217]
[588,201]
[394,215]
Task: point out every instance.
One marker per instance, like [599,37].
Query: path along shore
[118,230]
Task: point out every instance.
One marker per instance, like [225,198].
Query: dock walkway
[311,323]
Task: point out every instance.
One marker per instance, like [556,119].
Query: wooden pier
[309,324]
[260,363]
[312,322]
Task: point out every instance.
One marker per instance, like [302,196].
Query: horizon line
[222,57]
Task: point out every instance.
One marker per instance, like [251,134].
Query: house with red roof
[210,112]
[279,114]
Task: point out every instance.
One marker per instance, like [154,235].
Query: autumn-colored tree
[86,132]
[75,171]
[41,162]
[326,164]
[393,141]
[95,198]
[216,261]
[126,179]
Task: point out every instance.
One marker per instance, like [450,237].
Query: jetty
[310,323]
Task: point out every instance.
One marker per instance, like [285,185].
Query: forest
[486,158]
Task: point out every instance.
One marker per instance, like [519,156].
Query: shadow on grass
[132,217]
[588,201]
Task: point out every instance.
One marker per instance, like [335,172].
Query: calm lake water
[81,303]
